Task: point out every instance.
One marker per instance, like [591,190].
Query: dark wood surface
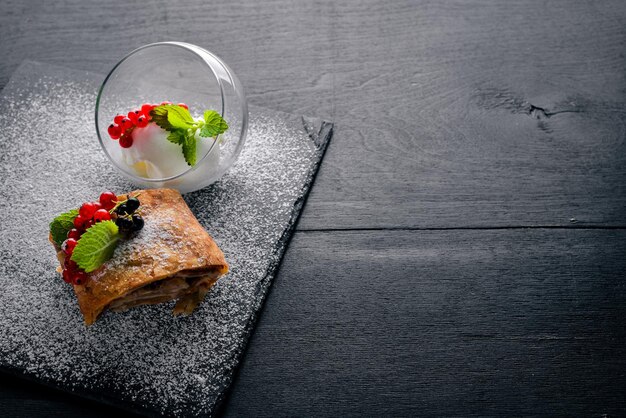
[463,249]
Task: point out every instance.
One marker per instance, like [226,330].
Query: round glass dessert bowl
[200,123]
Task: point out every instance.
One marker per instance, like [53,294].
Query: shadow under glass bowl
[179,73]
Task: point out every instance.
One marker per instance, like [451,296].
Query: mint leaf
[61,225]
[179,117]
[182,127]
[214,124]
[177,136]
[96,245]
[189,149]
[159,116]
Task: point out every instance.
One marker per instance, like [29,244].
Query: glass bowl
[174,72]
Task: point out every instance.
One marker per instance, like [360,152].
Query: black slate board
[143,360]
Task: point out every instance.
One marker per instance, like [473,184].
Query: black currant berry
[132,204]
[122,209]
[137,222]
[124,224]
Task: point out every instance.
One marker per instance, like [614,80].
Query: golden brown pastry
[171,258]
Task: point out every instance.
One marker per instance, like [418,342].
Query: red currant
[133,116]
[67,276]
[87,210]
[89,224]
[114,131]
[70,265]
[79,222]
[68,246]
[183,105]
[108,200]
[79,278]
[126,141]
[142,121]
[74,233]
[101,215]
[118,119]
[146,108]
[98,205]
[165,103]
[126,124]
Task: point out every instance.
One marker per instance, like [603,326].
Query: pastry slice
[171,257]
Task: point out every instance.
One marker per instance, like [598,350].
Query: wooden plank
[446,323]
[507,322]
[435,124]
[455,114]
[439,124]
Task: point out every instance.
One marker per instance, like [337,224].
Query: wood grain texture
[447,323]
[442,323]
[450,114]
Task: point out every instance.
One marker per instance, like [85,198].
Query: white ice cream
[153,156]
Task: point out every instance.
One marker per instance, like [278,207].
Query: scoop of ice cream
[153,156]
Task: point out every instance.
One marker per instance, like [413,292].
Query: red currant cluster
[122,126]
[88,214]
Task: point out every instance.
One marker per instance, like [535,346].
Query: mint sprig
[182,127]
[96,245]
[61,225]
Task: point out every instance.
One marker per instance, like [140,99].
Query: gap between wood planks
[462,228]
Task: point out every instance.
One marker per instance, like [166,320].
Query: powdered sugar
[145,240]
[50,161]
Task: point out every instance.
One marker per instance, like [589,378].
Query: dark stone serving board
[144,360]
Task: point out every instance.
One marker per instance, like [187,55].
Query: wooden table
[463,251]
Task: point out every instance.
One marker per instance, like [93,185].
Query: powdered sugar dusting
[50,161]
[157,230]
